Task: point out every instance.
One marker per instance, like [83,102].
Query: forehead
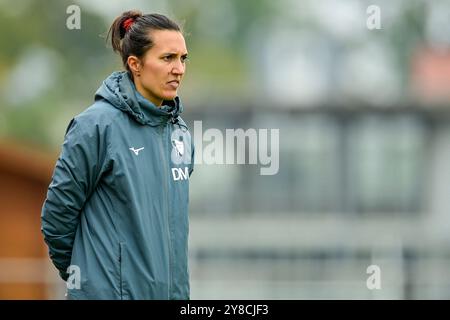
[168,41]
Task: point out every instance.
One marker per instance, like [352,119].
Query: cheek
[154,76]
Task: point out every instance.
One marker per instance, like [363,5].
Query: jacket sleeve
[75,176]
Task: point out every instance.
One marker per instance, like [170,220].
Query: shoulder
[100,114]
[95,119]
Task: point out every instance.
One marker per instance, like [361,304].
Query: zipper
[120,270]
[166,186]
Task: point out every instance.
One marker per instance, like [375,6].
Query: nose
[178,68]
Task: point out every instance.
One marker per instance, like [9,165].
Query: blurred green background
[364,142]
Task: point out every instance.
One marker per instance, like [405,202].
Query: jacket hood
[120,91]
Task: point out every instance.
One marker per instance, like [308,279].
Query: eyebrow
[174,54]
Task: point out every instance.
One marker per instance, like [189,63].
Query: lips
[174,84]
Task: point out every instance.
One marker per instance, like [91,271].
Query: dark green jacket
[117,205]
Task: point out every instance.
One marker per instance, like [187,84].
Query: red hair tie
[127,23]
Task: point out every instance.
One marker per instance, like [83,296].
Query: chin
[169,96]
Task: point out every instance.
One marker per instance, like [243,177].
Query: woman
[116,210]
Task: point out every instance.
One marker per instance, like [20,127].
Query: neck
[147,95]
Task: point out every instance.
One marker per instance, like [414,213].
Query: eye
[184,58]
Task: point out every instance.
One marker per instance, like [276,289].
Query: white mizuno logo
[136,151]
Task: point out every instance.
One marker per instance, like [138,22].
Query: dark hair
[130,33]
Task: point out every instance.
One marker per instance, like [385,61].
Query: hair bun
[126,21]
[127,24]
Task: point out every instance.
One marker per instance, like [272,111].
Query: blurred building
[430,72]
[24,263]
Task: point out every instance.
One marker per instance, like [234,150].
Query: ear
[135,65]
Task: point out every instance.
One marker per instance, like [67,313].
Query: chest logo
[136,151]
[179,146]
